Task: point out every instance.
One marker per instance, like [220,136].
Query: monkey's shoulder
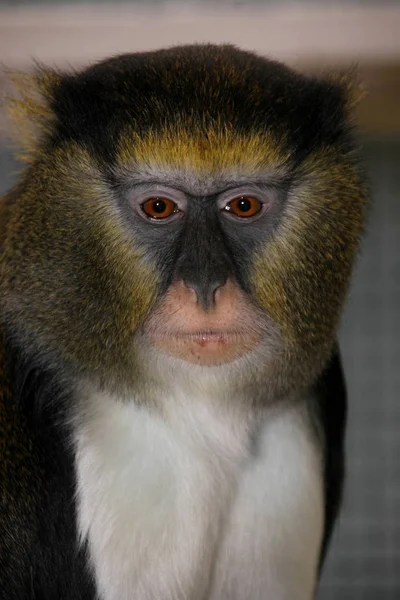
[330,394]
[16,442]
[39,552]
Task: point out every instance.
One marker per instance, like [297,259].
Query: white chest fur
[194,506]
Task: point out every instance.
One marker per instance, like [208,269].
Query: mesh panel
[364,560]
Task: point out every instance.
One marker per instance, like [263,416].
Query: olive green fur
[73,285]
[301,278]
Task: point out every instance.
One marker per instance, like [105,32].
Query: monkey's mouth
[207,347]
[204,337]
[180,327]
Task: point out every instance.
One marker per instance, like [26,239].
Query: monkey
[175,259]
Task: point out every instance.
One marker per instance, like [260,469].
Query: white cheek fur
[179,507]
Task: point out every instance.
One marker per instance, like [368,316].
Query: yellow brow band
[210,149]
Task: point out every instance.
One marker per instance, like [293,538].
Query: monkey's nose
[204,293]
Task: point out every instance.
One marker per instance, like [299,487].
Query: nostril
[211,292]
[191,289]
[216,290]
[202,290]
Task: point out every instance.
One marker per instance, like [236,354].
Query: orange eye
[244,206]
[159,208]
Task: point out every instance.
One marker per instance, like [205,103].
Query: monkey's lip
[203,337]
[207,347]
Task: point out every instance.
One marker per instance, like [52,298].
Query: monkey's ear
[353,89]
[29,107]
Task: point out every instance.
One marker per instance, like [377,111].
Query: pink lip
[201,336]
[207,338]
[205,346]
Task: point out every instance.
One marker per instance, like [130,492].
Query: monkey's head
[199,205]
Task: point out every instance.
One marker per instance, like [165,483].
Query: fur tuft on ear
[354,90]
[29,109]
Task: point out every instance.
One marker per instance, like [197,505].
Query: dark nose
[204,263]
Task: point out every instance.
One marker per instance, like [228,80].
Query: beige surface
[307,37]
[336,33]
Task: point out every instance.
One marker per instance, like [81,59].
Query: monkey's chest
[178,509]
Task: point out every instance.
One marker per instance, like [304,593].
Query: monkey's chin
[208,348]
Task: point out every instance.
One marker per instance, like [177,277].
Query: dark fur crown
[196,86]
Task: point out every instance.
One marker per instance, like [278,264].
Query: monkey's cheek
[210,351]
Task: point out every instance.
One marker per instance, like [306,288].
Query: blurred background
[314,36]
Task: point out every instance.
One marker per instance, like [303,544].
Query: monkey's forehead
[196,91]
[211,153]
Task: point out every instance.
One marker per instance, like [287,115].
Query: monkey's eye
[159,207]
[244,206]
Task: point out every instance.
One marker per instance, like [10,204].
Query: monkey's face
[199,202]
[201,235]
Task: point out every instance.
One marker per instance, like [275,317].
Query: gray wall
[364,561]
